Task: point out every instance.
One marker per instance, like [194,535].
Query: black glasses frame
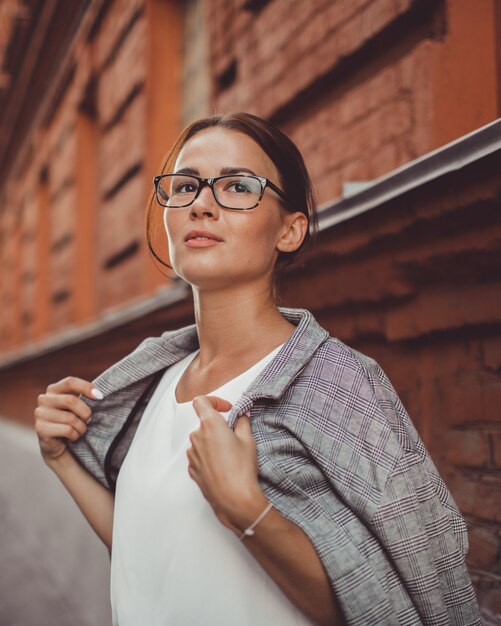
[209,182]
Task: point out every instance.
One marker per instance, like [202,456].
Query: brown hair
[294,178]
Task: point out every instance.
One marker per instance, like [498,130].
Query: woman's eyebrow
[224,170]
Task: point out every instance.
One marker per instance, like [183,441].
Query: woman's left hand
[223,462]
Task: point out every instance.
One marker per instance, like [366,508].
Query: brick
[126,74]
[356,171]
[350,36]
[475,498]
[123,146]
[385,159]
[485,547]
[489,598]
[369,95]
[62,159]
[121,219]
[353,106]
[327,53]
[120,284]
[467,401]
[61,315]
[383,87]
[376,16]
[62,122]
[496,449]
[328,187]
[30,213]
[404,5]
[268,73]
[467,448]
[62,217]
[396,118]
[62,267]
[362,287]
[311,34]
[491,353]
[117,17]
[415,74]
[340,11]
[491,396]
[360,139]
[445,309]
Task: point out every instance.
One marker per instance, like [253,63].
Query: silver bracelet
[248,532]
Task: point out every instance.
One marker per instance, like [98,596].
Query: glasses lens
[176,190]
[232,192]
[238,192]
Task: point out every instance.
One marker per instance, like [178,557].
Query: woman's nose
[205,204]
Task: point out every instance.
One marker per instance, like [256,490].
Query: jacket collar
[292,357]
[158,353]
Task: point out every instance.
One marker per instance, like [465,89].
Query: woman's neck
[238,323]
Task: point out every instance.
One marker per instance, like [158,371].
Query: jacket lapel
[157,353]
[151,356]
[287,364]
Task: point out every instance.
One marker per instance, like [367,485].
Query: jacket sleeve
[108,417]
[411,512]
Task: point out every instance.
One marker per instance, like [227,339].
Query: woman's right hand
[60,414]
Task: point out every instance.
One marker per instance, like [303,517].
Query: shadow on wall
[55,570]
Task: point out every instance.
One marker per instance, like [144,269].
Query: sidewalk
[54,571]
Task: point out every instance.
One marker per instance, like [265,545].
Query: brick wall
[73,201]
[362,86]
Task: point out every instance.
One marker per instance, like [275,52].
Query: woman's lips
[198,238]
[201,243]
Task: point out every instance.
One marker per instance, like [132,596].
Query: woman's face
[249,240]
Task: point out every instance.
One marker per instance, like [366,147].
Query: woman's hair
[294,178]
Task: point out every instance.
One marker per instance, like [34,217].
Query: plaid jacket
[338,456]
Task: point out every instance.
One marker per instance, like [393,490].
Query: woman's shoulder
[358,380]
[333,351]
[337,367]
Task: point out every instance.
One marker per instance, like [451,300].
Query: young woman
[250,469]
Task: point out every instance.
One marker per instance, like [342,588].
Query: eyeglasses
[237,192]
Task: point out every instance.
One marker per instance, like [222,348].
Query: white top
[173,563]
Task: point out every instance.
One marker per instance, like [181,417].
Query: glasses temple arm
[276,189]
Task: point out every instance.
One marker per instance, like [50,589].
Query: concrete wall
[55,570]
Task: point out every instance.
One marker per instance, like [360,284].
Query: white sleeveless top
[173,563]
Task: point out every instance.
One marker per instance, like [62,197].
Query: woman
[251,469]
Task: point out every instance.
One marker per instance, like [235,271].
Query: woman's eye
[182,188]
[238,186]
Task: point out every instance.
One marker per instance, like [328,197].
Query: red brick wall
[362,86]
[73,204]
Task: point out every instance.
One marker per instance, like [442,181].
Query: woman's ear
[293,232]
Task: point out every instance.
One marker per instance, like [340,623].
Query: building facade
[93,94]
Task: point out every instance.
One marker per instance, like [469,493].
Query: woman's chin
[207,279]
[217,283]
[221,276]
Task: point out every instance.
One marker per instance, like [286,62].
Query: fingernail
[97,394]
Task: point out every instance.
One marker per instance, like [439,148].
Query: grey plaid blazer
[338,456]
